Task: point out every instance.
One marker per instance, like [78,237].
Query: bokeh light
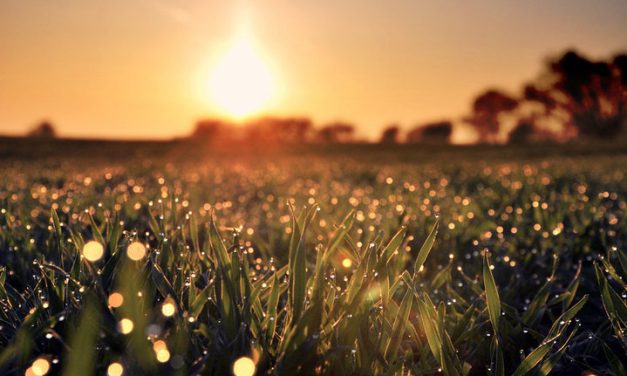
[115,369]
[93,251]
[40,366]
[136,251]
[168,308]
[126,326]
[163,355]
[116,300]
[244,366]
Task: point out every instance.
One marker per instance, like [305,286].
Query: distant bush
[338,132]
[44,130]
[291,130]
[390,135]
[432,133]
[522,133]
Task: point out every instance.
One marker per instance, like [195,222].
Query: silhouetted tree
[296,129]
[486,110]
[207,129]
[431,133]
[390,135]
[592,94]
[522,133]
[284,130]
[213,130]
[44,130]
[338,132]
[620,62]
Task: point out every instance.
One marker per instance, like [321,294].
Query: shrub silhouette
[522,133]
[44,130]
[291,130]
[431,133]
[214,131]
[337,132]
[390,135]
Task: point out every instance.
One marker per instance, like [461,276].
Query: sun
[241,83]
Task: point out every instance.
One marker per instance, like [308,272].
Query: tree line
[573,97]
[300,130]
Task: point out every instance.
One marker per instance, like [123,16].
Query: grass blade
[493,300]
[426,247]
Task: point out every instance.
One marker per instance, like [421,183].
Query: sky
[146,68]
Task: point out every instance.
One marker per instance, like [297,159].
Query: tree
[337,132]
[283,130]
[295,129]
[390,135]
[593,94]
[431,133]
[527,131]
[486,110]
[522,133]
[207,129]
[44,130]
[214,131]
[620,62]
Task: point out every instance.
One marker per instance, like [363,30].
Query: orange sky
[141,69]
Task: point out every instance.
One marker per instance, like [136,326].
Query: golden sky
[137,69]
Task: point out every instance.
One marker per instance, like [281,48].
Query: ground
[328,259]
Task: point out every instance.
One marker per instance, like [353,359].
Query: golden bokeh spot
[244,366]
[163,355]
[161,351]
[168,308]
[159,345]
[126,326]
[29,372]
[115,369]
[347,263]
[116,299]
[93,251]
[136,251]
[40,366]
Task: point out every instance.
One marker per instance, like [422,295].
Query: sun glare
[241,83]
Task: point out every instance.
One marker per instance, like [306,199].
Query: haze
[121,69]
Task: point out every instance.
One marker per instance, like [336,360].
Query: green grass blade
[392,247]
[534,358]
[399,325]
[493,300]
[426,248]
[565,317]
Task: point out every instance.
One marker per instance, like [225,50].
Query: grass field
[171,258]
